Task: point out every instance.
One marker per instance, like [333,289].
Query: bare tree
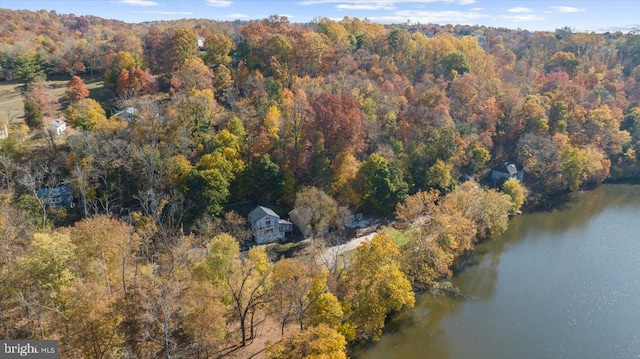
[38,180]
[232,223]
[329,252]
[98,164]
[15,230]
[161,304]
[8,168]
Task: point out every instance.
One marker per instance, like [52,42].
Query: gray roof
[260,212]
[509,167]
[58,122]
[61,191]
[129,110]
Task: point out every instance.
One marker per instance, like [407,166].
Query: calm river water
[558,284]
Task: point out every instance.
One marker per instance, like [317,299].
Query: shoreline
[468,259]
[498,260]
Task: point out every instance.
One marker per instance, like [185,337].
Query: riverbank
[560,283]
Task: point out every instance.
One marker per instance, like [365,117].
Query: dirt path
[329,255]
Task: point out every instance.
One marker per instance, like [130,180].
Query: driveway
[329,255]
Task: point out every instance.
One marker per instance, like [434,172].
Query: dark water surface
[558,284]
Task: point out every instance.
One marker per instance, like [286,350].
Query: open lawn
[12,100]
[11,104]
[399,238]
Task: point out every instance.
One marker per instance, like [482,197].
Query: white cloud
[466,2]
[237,16]
[520,10]
[368,6]
[521,18]
[437,17]
[139,2]
[287,16]
[160,12]
[218,3]
[567,9]
[621,28]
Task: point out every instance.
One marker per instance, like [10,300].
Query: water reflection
[421,327]
[551,286]
[575,212]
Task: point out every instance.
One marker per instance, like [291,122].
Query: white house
[266,225]
[4,132]
[57,126]
[201,42]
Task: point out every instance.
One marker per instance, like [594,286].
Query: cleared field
[12,100]
[11,104]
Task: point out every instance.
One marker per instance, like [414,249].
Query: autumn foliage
[329,118]
[136,82]
[76,89]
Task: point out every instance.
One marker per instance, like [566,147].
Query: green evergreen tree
[32,114]
[380,184]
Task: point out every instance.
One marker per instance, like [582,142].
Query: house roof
[58,122]
[61,191]
[260,212]
[129,110]
[509,167]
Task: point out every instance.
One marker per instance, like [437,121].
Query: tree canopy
[148,255]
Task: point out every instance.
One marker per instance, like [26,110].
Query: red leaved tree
[136,82]
[338,121]
[76,89]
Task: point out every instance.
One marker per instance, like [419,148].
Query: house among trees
[508,170]
[57,196]
[57,127]
[128,114]
[4,131]
[267,227]
[201,43]
[354,221]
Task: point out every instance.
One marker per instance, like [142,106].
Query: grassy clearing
[12,100]
[286,249]
[11,104]
[400,238]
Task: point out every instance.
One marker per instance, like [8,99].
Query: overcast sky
[591,15]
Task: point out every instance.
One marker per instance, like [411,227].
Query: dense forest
[153,257]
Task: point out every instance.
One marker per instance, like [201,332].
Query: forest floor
[268,331]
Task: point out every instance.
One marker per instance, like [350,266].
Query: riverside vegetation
[385,120]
